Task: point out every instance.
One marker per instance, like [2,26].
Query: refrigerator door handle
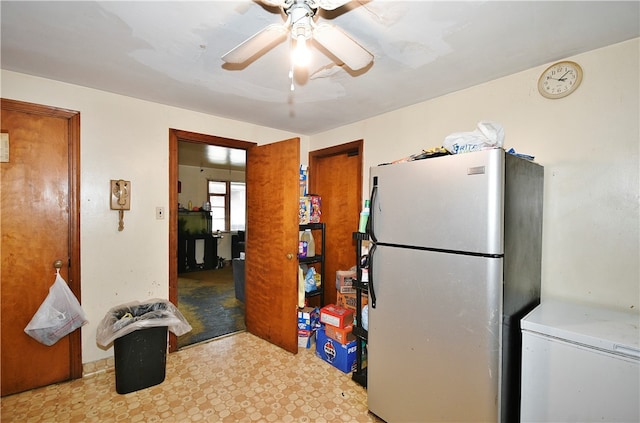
[372,291]
[372,238]
[372,212]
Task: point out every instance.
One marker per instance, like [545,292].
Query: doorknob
[57,264]
[289,256]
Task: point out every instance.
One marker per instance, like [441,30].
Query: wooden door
[271,263]
[335,173]
[39,210]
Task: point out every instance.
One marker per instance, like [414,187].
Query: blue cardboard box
[308,318]
[342,357]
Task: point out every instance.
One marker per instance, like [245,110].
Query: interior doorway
[201,279]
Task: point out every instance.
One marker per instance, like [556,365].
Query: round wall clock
[560,79]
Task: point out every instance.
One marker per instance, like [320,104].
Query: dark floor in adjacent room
[207,300]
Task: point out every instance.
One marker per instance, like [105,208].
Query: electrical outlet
[159,213]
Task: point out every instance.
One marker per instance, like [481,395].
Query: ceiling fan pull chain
[291,77]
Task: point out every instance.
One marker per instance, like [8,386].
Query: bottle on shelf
[364,217]
[302,246]
[311,245]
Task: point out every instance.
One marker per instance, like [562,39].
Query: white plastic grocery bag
[58,315]
[487,135]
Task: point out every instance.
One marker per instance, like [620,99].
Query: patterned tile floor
[239,378]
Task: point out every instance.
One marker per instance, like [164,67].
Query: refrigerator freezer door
[434,337]
[450,202]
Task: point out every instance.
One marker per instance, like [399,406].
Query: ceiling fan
[301,27]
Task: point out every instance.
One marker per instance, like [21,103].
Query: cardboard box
[342,335]
[345,281]
[348,301]
[306,338]
[304,178]
[310,209]
[336,316]
[316,209]
[304,211]
[308,318]
[342,357]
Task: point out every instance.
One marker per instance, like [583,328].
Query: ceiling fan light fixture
[301,26]
[300,54]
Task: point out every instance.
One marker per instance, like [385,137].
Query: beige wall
[126,138]
[587,142]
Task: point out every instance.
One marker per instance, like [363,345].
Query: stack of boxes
[335,343]
[345,285]
[308,323]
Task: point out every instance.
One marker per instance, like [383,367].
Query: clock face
[560,79]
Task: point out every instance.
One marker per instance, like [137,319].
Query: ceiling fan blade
[274,3]
[342,46]
[259,42]
[331,4]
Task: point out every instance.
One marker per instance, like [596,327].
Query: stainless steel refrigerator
[455,265]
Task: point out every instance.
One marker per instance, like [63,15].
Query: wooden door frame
[175,136]
[73,277]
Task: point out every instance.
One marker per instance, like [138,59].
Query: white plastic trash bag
[126,318]
[487,135]
[58,315]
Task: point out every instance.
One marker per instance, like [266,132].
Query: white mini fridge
[580,364]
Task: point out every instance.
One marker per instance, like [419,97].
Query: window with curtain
[238,205]
[228,205]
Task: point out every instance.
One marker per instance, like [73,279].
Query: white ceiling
[169,52]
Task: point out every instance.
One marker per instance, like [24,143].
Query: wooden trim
[38,109]
[175,136]
[74,236]
[173,227]
[354,147]
[211,140]
[73,122]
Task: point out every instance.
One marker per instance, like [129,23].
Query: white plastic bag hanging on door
[58,315]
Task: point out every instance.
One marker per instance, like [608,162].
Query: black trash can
[140,359]
[139,333]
